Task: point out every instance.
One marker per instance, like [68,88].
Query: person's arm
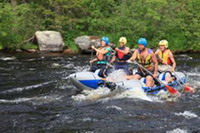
[100,51]
[155,65]
[173,61]
[133,57]
[156,53]
[95,59]
[113,59]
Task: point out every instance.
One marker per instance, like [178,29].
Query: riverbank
[75,52]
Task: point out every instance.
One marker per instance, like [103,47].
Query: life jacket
[165,56]
[147,62]
[100,57]
[121,56]
[104,58]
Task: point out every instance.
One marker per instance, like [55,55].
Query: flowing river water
[36,96]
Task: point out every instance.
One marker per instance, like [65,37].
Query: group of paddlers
[151,63]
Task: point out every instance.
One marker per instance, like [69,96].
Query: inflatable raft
[90,80]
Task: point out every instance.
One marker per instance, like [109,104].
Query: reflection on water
[35,96]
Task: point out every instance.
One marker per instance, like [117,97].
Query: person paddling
[103,54]
[166,61]
[165,57]
[145,57]
[122,55]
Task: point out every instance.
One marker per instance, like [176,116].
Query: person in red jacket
[122,55]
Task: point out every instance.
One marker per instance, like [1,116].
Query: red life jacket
[121,56]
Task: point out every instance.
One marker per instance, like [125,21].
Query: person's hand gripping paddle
[169,88]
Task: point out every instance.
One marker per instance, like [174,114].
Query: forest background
[178,21]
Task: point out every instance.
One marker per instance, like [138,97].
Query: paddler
[122,55]
[166,61]
[145,57]
[103,54]
[165,57]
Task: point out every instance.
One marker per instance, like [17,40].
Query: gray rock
[49,41]
[85,42]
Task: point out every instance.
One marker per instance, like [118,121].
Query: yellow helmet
[163,42]
[123,39]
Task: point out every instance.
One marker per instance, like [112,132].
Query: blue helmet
[105,39]
[142,41]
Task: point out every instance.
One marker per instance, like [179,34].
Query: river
[35,96]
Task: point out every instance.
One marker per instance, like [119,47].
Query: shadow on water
[36,97]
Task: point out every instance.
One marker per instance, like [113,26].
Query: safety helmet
[105,39]
[142,41]
[123,39]
[163,42]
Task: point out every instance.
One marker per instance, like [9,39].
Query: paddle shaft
[175,74]
[149,73]
[169,89]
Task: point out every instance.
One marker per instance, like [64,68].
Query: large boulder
[49,41]
[85,42]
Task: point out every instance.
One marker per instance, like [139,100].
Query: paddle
[108,63]
[169,88]
[186,87]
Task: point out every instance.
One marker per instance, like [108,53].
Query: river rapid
[36,96]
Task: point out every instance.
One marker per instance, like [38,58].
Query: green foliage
[16,25]
[29,46]
[176,21]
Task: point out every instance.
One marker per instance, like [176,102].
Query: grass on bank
[29,46]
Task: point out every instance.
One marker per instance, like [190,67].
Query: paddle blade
[189,89]
[171,90]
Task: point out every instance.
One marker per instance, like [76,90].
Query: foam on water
[134,93]
[114,107]
[34,100]
[15,100]
[166,96]
[19,89]
[105,94]
[116,76]
[82,68]
[187,114]
[193,74]
[7,58]
[55,65]
[70,66]
[92,94]
[177,130]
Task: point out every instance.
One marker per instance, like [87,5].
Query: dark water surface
[36,97]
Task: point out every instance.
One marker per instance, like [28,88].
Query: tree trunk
[14,3]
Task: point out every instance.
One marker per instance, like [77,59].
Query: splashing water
[7,58]
[178,130]
[187,114]
[116,76]
[134,93]
[91,95]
